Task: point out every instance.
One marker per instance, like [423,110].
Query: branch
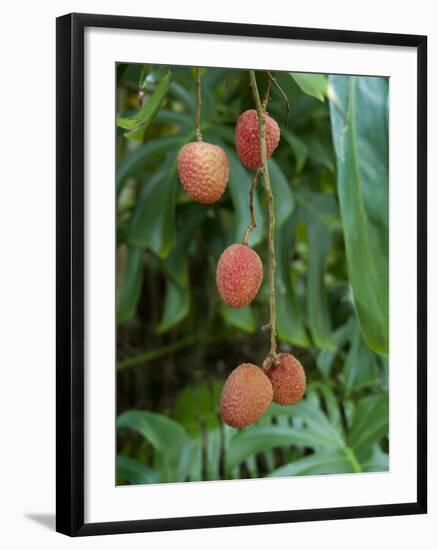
[252,223]
[272,356]
[147,356]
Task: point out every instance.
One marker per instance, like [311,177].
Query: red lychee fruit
[246,395]
[288,379]
[203,169]
[248,138]
[239,274]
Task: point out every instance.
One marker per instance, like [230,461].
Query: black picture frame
[70,273]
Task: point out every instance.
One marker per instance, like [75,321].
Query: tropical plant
[177,341]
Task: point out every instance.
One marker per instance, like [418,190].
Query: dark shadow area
[46,520]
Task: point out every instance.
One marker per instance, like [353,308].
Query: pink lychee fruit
[248,138]
[246,395]
[239,274]
[203,169]
[288,379]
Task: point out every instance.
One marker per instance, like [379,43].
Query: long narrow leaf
[371,423]
[135,472]
[168,438]
[146,114]
[153,221]
[131,286]
[360,133]
[323,462]
[262,438]
[290,327]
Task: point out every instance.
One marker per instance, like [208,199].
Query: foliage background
[177,342]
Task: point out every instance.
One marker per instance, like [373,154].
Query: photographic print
[241,274]
[252,274]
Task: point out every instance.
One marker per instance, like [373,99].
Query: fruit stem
[272,356]
[252,223]
[198,105]
[279,88]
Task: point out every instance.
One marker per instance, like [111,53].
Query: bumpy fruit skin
[248,138]
[203,169]
[246,395]
[239,274]
[288,380]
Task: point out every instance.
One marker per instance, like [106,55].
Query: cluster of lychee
[249,390]
[203,170]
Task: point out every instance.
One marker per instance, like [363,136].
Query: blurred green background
[176,341]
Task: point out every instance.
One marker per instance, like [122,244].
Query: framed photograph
[241,274]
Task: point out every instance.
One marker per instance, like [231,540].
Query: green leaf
[298,146]
[153,221]
[213,444]
[195,473]
[261,438]
[228,435]
[148,111]
[341,336]
[322,462]
[332,406]
[320,151]
[284,202]
[323,431]
[178,91]
[384,363]
[269,455]
[370,424]
[290,326]
[196,408]
[127,72]
[317,209]
[239,185]
[177,299]
[137,134]
[242,318]
[312,84]
[317,301]
[360,134]
[180,120]
[133,162]
[176,306]
[189,219]
[360,369]
[135,472]
[378,462]
[185,407]
[169,439]
[349,408]
[131,286]
[251,466]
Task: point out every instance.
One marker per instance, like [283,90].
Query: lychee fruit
[239,274]
[203,169]
[288,379]
[248,138]
[246,395]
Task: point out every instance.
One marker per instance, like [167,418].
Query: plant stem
[352,458]
[252,223]
[198,105]
[272,356]
[147,356]
[273,80]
